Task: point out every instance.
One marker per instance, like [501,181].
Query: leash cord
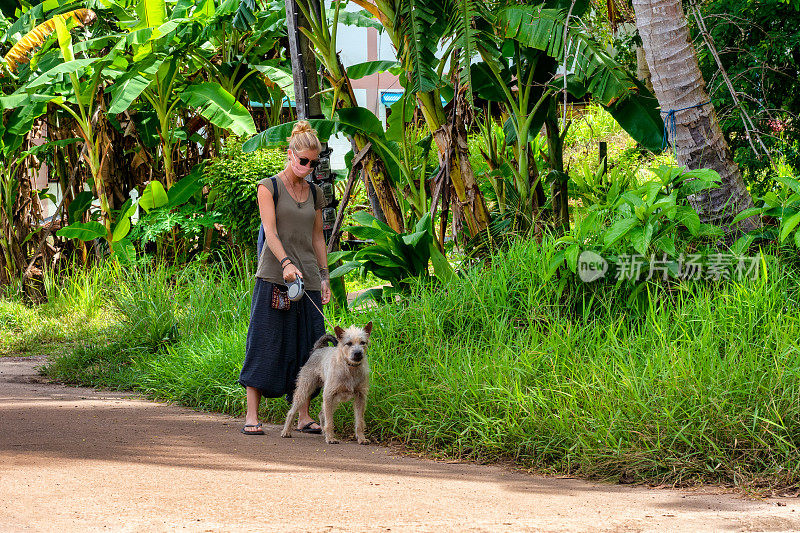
[317,308]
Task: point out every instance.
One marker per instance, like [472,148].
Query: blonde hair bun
[304,137]
[303,126]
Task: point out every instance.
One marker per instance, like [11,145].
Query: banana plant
[160,37]
[517,78]
[518,44]
[392,256]
[590,70]
[244,54]
[392,146]
[14,236]
[18,54]
[72,83]
[416,29]
[530,55]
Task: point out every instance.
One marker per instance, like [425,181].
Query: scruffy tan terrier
[342,372]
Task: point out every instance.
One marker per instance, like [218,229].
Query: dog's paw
[286,434]
[363,441]
[331,441]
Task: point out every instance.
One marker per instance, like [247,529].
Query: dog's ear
[339,332]
[368,327]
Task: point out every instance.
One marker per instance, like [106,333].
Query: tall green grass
[157,309]
[700,383]
[77,309]
[690,382]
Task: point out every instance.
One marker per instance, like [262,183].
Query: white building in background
[375,92]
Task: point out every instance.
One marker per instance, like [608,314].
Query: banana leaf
[219,107]
[277,135]
[84,231]
[590,69]
[186,187]
[368,68]
[130,85]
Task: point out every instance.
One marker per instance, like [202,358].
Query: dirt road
[78,460]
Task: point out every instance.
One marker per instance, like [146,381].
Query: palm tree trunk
[681,92]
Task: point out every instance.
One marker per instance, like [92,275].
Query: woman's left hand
[326,291]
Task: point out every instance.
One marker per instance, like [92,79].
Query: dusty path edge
[159,445]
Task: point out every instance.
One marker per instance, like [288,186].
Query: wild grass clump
[106,362]
[201,374]
[76,310]
[699,384]
[161,310]
[691,381]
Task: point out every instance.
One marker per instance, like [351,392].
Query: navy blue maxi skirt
[279,342]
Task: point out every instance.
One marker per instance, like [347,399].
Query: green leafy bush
[654,220]
[780,209]
[600,186]
[392,256]
[172,223]
[232,178]
[190,219]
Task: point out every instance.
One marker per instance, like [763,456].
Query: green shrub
[634,226]
[392,256]
[780,209]
[232,178]
[188,221]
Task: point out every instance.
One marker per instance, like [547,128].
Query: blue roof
[388,98]
[285,102]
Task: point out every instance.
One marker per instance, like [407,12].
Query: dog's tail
[324,340]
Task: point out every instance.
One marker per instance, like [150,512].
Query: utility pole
[307,100]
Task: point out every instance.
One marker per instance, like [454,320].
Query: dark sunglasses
[313,163]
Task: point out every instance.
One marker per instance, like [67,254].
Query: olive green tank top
[295,226]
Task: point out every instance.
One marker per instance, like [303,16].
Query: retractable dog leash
[296,291]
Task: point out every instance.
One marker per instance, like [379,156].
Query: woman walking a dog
[282,333]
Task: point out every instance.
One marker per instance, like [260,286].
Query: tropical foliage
[393,257]
[155,119]
[765,77]
[134,99]
[149,89]
[652,221]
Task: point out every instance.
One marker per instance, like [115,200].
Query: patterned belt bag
[280,298]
